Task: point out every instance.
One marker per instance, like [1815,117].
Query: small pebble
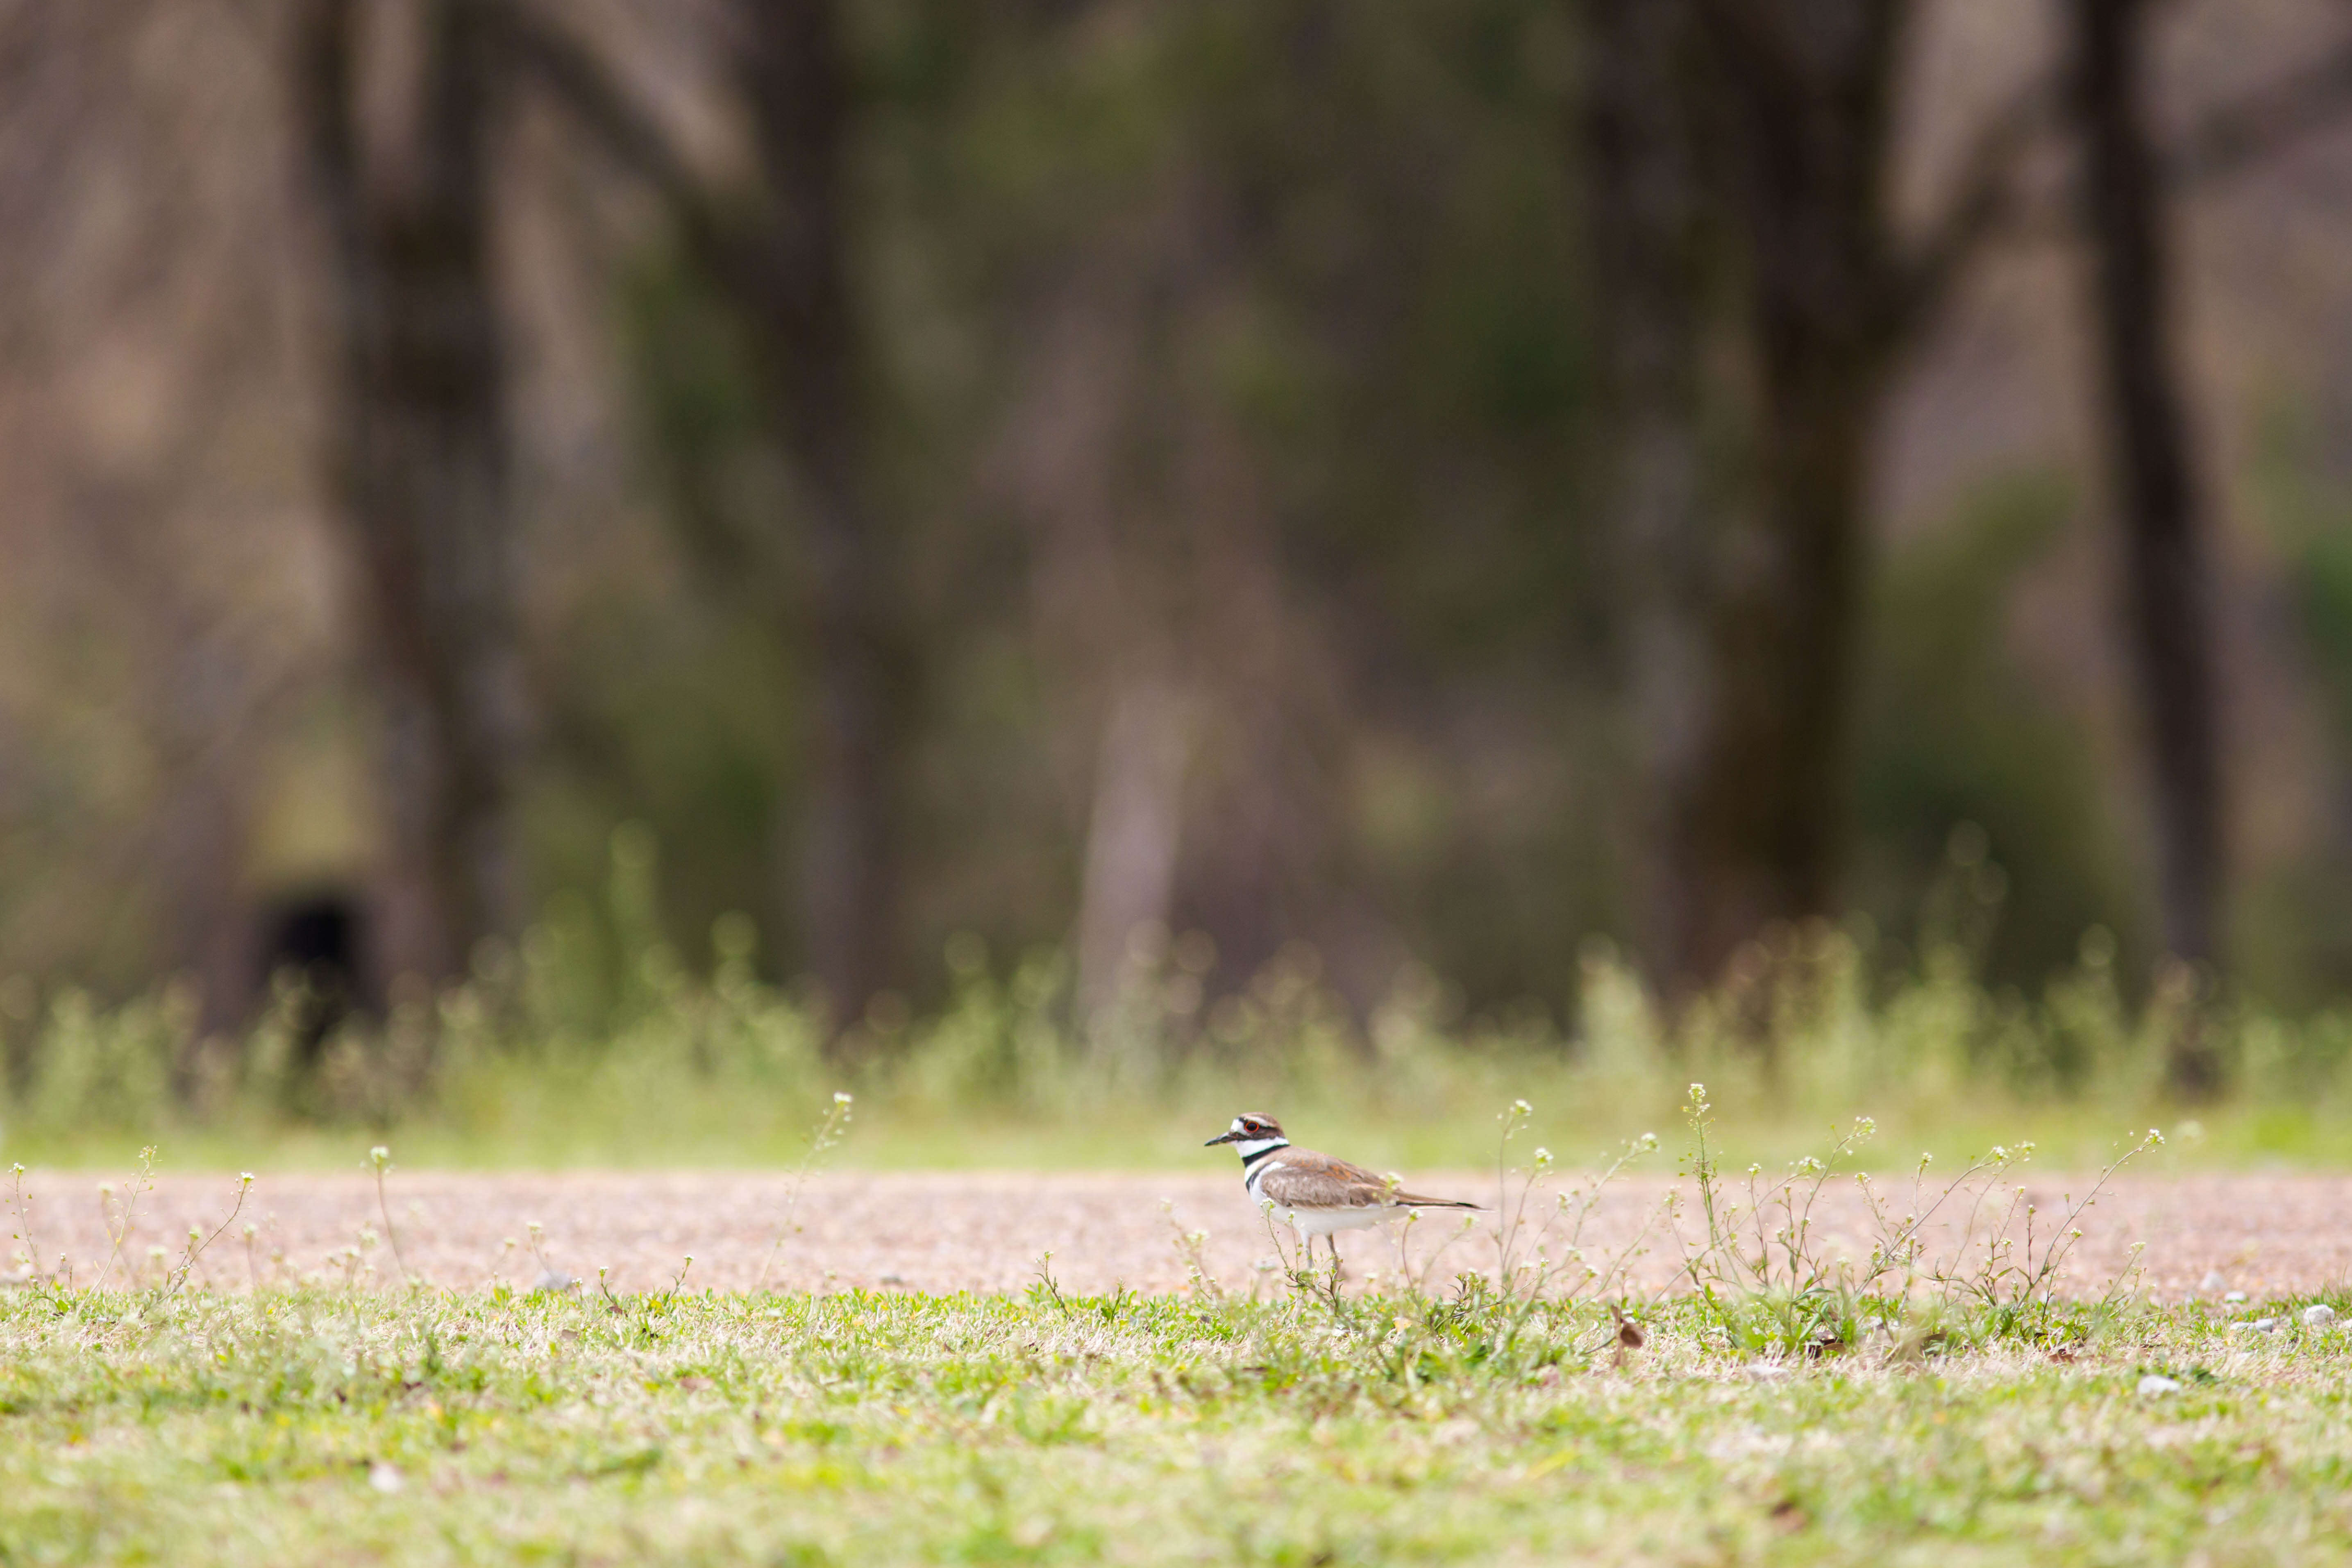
[384,1476]
[2154,1384]
[2212,1281]
[2318,1315]
[2234,1297]
[2263,1325]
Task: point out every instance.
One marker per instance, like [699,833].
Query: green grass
[544,1064]
[316,1426]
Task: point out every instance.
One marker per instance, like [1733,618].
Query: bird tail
[1415,1201]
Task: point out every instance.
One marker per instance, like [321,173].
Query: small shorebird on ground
[1313,1194]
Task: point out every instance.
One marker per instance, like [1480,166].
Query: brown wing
[1300,1178]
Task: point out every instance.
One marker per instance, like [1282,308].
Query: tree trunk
[2165,576]
[419,467]
[1641,154]
[1767,826]
[202,833]
[1806,89]
[1133,833]
[797,296]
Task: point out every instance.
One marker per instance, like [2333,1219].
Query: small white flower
[2153,1385]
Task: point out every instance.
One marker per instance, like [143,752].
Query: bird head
[1249,1127]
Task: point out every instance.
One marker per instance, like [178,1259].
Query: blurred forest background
[1415,489]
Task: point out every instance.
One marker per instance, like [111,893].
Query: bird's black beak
[1220,1137]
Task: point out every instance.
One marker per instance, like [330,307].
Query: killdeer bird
[1314,1194]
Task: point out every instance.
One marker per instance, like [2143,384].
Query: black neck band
[1250,1161]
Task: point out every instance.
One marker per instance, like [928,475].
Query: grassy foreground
[321,1427]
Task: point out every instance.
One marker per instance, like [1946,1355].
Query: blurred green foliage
[596,1042]
[2297,938]
[1968,763]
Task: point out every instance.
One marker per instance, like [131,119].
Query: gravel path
[948,1231]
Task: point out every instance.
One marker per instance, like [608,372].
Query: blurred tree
[146,566]
[1158,589]
[1292,298]
[811,347]
[1801,143]
[2168,573]
[780,250]
[419,448]
[1229,343]
[1641,154]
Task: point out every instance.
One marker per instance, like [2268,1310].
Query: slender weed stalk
[1192,1246]
[1770,1285]
[22,1203]
[2010,1284]
[380,1163]
[548,1271]
[1046,1292]
[1296,1272]
[141,1181]
[198,1241]
[1538,1274]
[829,1132]
[1512,1119]
[1417,1281]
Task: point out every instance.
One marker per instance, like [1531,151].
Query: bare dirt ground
[985,1232]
